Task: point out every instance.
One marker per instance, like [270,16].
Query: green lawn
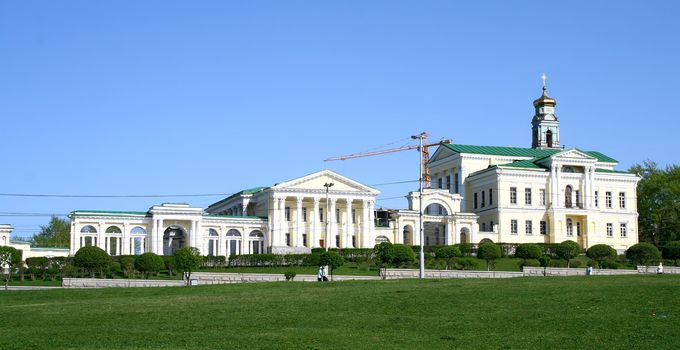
[599,312]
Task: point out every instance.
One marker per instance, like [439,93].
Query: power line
[113,196]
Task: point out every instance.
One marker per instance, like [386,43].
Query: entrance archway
[174,238]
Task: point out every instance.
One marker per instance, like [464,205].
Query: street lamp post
[420,137]
[328,185]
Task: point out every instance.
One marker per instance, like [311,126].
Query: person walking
[321,275]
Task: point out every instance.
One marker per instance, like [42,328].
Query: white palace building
[478,193]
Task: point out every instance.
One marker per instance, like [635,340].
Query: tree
[568,250]
[127,263]
[92,259]
[187,260]
[55,234]
[447,253]
[332,259]
[643,254]
[528,251]
[489,252]
[544,260]
[35,264]
[148,264]
[671,251]
[403,254]
[600,253]
[384,253]
[658,202]
[10,257]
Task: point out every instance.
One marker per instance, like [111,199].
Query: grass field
[520,313]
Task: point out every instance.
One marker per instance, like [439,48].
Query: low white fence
[411,273]
[125,283]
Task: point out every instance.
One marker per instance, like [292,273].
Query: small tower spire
[545,131]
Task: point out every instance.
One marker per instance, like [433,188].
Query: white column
[75,238]
[299,224]
[461,187]
[152,242]
[371,221]
[158,237]
[283,224]
[332,226]
[274,225]
[557,189]
[365,226]
[349,227]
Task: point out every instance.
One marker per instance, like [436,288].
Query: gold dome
[545,100]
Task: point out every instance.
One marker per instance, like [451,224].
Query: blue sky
[192,97]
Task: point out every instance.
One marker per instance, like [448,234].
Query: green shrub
[448,253]
[528,251]
[610,264]
[601,252]
[643,254]
[331,259]
[671,251]
[115,269]
[149,263]
[403,255]
[489,252]
[465,249]
[169,264]
[568,250]
[188,260]
[558,263]
[466,263]
[575,263]
[290,275]
[529,263]
[92,259]
[127,264]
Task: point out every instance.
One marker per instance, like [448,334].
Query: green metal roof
[106,212]
[519,152]
[248,191]
[526,164]
[598,170]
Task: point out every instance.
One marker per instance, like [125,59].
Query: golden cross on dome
[544,78]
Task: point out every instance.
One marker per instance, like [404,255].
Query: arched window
[436,209]
[113,229]
[138,240]
[570,227]
[549,138]
[381,239]
[138,230]
[464,234]
[257,242]
[233,242]
[485,240]
[88,229]
[212,242]
[89,239]
[567,197]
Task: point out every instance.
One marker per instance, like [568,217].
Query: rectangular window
[527,196]
[354,241]
[484,227]
[541,194]
[597,200]
[483,199]
[320,214]
[529,227]
[608,199]
[513,227]
[440,183]
[288,239]
[610,230]
[337,240]
[622,200]
[455,183]
[474,200]
[448,182]
[304,214]
[544,228]
[354,216]
[490,197]
[491,225]
[287,213]
[304,239]
[624,231]
[513,195]
[337,215]
[578,199]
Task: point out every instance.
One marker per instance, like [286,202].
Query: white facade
[290,217]
[541,194]
[26,250]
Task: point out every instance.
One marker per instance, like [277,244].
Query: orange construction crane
[425,151]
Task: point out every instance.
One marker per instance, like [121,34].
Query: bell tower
[545,127]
